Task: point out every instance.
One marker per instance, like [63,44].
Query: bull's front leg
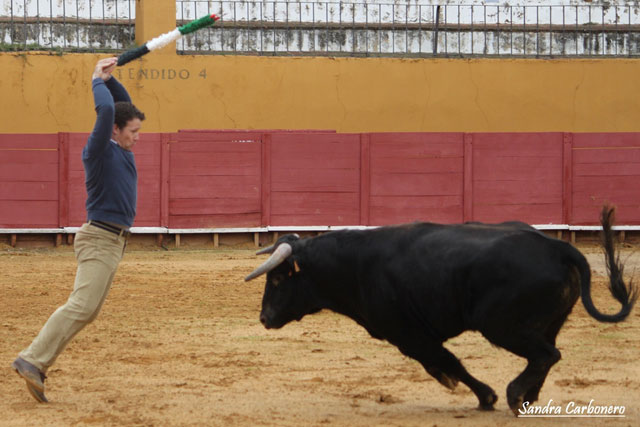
[447,369]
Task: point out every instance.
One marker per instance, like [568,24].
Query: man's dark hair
[126,111]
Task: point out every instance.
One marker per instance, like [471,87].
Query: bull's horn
[279,255]
[267,250]
[270,249]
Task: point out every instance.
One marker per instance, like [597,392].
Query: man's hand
[104,67]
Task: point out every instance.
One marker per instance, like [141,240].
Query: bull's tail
[626,295]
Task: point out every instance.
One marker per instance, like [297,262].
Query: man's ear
[115,130]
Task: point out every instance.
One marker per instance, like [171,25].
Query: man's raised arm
[104,105]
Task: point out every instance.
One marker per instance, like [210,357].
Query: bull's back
[448,277]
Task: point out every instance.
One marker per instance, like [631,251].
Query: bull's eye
[275,281]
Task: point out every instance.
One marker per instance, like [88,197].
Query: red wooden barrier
[606,168]
[315,179]
[213,179]
[416,177]
[28,180]
[517,176]
[148,156]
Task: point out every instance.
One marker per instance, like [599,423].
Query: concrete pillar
[155,17]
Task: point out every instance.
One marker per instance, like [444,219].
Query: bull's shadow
[417,285]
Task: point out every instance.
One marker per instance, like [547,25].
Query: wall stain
[477,95]
[425,113]
[575,97]
[340,101]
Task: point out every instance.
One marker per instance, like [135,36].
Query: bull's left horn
[272,248]
[279,255]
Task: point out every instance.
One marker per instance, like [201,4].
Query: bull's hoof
[516,406]
[487,405]
[487,402]
[514,399]
[448,382]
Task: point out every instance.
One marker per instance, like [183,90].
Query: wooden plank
[314,219]
[416,184]
[325,180]
[24,157]
[315,151]
[193,140]
[30,191]
[517,168]
[187,187]
[539,144]
[517,192]
[33,172]
[417,202]
[606,185]
[617,139]
[591,197]
[607,169]
[214,206]
[336,204]
[417,165]
[214,221]
[606,155]
[28,141]
[534,213]
[215,163]
[418,149]
[386,213]
[28,213]
[449,139]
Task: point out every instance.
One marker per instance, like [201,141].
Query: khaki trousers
[98,253]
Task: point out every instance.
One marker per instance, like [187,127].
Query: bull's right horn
[279,255]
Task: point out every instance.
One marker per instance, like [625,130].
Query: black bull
[418,285]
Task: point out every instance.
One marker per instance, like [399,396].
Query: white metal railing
[326,27]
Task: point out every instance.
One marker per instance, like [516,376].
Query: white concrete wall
[334,27]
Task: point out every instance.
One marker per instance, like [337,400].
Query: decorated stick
[165,39]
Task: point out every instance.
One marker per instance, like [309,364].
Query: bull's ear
[296,267]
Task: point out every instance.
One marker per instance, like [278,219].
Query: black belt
[111,228]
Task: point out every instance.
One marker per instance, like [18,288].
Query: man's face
[127,136]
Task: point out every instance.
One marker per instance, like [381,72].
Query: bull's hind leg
[552,332]
[541,356]
[447,369]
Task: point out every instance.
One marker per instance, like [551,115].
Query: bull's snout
[264,320]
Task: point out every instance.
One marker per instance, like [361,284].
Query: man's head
[127,123]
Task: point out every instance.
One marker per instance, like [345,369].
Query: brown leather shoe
[33,376]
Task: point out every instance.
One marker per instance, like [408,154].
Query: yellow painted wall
[43,93]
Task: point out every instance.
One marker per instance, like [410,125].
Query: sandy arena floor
[178,342]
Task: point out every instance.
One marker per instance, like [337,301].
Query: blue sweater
[110,171]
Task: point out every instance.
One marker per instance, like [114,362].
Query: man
[111,181]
